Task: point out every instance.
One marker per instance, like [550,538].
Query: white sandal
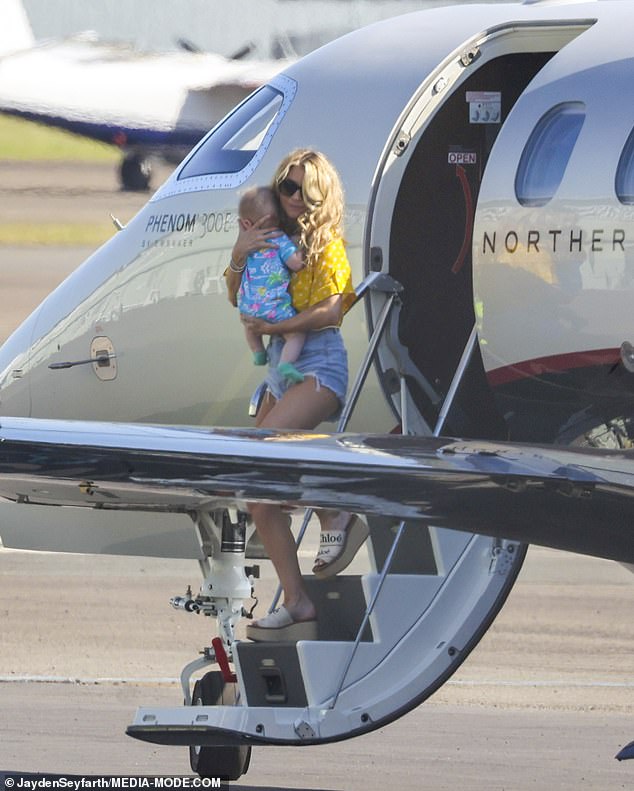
[279,625]
[337,548]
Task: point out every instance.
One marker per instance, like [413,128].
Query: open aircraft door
[420,597]
[420,237]
[421,222]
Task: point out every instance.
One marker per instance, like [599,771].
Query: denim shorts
[323,357]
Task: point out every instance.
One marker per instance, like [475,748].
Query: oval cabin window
[547,152]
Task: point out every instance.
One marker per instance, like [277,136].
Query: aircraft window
[232,146]
[625,173]
[545,157]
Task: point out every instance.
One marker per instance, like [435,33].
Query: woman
[311,203]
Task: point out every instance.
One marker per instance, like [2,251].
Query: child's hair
[322,193]
[256,202]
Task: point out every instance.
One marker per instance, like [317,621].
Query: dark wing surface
[580,500]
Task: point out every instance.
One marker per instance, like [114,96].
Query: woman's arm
[233,278]
[326,313]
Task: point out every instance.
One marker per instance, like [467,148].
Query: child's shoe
[260,358]
[288,371]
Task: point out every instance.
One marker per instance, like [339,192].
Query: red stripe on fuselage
[555,364]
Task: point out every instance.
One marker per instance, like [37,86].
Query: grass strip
[24,234]
[22,140]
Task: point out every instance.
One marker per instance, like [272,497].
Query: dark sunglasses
[288,187]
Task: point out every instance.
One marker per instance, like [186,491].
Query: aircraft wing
[580,500]
[76,83]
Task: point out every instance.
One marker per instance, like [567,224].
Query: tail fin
[15,29]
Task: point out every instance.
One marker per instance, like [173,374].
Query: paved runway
[33,193]
[544,702]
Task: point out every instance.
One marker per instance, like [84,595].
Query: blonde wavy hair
[322,193]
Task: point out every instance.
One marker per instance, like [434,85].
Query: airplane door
[421,224]
[420,233]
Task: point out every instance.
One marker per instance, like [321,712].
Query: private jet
[487,153]
[150,105]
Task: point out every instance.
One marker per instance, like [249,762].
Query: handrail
[456,381]
[370,608]
[385,284]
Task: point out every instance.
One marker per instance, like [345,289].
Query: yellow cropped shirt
[331,275]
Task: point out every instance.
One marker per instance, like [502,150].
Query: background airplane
[533,257]
[147,104]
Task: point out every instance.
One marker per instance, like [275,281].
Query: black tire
[227,763]
[135,173]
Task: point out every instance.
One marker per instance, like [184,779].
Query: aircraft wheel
[135,173]
[227,763]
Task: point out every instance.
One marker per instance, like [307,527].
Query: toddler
[263,291]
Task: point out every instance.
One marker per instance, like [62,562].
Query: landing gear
[222,594]
[615,433]
[135,172]
[227,763]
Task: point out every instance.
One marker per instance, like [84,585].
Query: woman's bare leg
[302,406]
[333,520]
[273,526]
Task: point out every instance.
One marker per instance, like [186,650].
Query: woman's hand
[258,326]
[259,235]
[326,313]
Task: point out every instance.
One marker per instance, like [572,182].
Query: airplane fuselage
[487,156]
[447,190]
[487,166]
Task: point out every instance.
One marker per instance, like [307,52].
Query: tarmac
[543,702]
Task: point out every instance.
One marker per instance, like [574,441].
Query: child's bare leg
[293,345]
[256,345]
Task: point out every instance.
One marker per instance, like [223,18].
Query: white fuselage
[549,286]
